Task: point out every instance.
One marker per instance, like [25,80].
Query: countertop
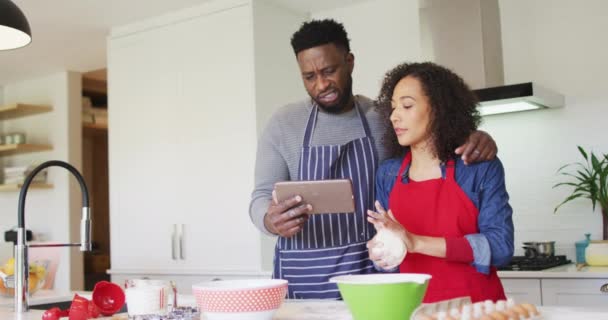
[336,310]
[44,297]
[563,272]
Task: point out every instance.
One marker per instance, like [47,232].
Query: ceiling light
[14,29]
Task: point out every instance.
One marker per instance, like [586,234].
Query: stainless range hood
[465,36]
[517,97]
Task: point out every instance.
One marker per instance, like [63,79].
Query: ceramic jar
[596,253]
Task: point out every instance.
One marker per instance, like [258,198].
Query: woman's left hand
[479,147]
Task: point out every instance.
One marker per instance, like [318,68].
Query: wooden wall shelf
[18,110]
[95,126]
[11,149]
[17,187]
[94,86]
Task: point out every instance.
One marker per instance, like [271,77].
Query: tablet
[325,196]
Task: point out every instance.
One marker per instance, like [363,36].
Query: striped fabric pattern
[330,244]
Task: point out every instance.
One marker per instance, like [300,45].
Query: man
[332,135]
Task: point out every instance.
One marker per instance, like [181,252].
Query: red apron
[439,208]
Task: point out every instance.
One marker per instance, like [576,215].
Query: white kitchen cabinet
[523,290]
[179,93]
[575,292]
[182,140]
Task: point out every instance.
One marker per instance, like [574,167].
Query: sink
[63,305]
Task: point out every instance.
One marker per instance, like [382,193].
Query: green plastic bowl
[392,296]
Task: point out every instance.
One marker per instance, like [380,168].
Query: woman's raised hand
[386,220]
[387,248]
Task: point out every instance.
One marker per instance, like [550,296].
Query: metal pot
[539,249]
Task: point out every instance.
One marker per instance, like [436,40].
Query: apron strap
[312,123]
[363,121]
[406,161]
[450,169]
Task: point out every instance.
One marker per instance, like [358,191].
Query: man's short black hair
[315,33]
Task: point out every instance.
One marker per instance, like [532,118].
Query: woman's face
[411,114]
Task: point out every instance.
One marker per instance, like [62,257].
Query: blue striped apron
[330,244]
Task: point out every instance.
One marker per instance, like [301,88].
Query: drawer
[575,292]
[523,290]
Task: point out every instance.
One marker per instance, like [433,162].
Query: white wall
[50,214]
[275,67]
[556,44]
[275,62]
[383,33]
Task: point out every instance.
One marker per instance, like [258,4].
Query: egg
[531,309]
[497,315]
[523,312]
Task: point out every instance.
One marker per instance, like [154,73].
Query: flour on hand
[392,250]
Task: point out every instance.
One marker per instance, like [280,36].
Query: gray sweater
[280,145]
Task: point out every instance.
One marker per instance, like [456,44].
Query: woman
[454,219]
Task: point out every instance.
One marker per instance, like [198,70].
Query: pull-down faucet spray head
[21,247]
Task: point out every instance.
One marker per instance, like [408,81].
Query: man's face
[326,71]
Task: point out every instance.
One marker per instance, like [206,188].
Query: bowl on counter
[382,296]
[247,299]
[36,277]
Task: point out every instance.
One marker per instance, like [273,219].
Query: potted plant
[589,180]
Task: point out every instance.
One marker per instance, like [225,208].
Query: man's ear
[350,61]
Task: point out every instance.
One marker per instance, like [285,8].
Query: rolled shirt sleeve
[495,218]
[493,245]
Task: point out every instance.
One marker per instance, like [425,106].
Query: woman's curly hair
[454,115]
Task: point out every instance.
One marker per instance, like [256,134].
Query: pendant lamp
[14,28]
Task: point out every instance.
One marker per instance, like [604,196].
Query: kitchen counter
[44,297]
[336,310]
[565,271]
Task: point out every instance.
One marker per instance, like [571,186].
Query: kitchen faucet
[21,247]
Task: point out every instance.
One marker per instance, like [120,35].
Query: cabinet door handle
[604,288]
[181,243]
[174,242]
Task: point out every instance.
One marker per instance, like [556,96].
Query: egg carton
[463,309]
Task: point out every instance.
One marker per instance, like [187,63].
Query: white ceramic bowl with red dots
[247,299]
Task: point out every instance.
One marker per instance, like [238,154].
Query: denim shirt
[484,184]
